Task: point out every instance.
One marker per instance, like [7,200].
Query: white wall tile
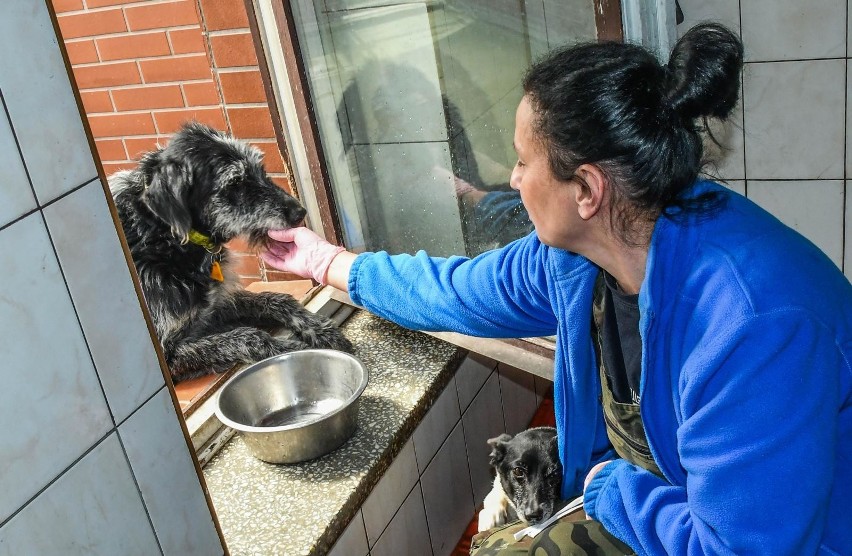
[436,425]
[88,246]
[170,487]
[407,533]
[50,398]
[16,195]
[353,540]
[793,30]
[389,493]
[736,185]
[726,12]
[93,509]
[813,208]
[482,420]
[447,494]
[471,375]
[41,103]
[517,390]
[847,258]
[794,127]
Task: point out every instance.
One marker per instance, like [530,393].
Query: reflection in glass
[415,103]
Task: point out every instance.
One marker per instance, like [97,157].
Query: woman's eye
[518,473]
[520,164]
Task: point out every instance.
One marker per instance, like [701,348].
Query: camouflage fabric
[571,535]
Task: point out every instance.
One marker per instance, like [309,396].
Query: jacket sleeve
[756,441]
[499,294]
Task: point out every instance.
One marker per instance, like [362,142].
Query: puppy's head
[529,470]
[213,183]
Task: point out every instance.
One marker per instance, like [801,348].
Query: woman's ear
[592,190]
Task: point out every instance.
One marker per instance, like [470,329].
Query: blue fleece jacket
[746,380]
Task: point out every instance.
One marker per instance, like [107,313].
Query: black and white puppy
[178,208]
[527,481]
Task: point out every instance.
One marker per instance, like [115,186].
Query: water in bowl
[300,413]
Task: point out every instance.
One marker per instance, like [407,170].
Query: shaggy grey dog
[178,208]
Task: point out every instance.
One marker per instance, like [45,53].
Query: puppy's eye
[518,473]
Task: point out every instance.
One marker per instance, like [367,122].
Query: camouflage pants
[571,535]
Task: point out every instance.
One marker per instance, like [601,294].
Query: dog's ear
[498,448]
[554,447]
[233,174]
[167,194]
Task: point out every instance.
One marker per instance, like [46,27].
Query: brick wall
[144,67]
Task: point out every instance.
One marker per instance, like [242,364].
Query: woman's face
[549,201]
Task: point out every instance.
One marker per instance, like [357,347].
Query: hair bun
[704,72]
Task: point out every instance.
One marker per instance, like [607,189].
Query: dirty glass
[415,103]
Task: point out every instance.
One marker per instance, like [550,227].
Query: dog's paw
[334,339]
[496,508]
[490,518]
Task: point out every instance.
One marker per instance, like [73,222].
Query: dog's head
[207,181]
[529,471]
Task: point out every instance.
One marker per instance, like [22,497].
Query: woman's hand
[302,252]
[594,471]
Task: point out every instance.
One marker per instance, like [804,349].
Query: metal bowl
[296,406]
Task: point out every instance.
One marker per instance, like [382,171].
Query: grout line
[18,146]
[818,59]
[143,85]
[58,476]
[139,59]
[136,482]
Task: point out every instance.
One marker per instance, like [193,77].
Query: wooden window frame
[302,142]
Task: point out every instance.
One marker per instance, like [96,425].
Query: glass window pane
[416,104]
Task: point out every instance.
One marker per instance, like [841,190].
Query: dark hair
[614,105]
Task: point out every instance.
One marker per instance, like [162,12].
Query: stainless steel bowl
[296,406]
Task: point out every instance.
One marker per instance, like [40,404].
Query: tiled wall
[144,67]
[789,141]
[92,456]
[426,499]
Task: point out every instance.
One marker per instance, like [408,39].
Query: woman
[709,408]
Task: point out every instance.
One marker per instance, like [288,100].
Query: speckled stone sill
[302,509]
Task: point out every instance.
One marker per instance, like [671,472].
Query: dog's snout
[534,514]
[296,214]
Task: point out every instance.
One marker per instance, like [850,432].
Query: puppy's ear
[167,195]
[233,174]
[554,447]
[498,448]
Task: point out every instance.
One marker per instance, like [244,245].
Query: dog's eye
[518,473]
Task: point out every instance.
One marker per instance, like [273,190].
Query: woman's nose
[515,180]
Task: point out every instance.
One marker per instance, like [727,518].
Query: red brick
[200,94]
[96,101]
[101,3]
[119,125]
[107,75]
[81,52]
[169,122]
[137,45]
[170,14]
[233,50]
[246,265]
[272,159]
[148,97]
[112,167]
[283,183]
[277,276]
[186,41]
[240,87]
[251,122]
[111,149]
[67,5]
[224,14]
[91,23]
[137,146]
[175,69]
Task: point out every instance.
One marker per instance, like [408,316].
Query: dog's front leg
[497,508]
[272,310]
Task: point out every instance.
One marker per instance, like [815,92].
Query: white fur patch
[497,508]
